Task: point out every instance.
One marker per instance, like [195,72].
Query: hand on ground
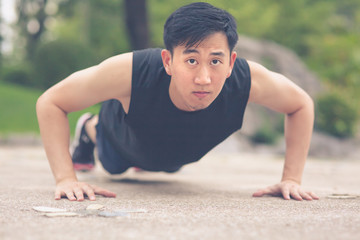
[75,190]
[287,189]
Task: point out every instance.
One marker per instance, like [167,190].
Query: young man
[165,108]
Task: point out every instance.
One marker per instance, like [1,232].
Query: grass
[17,110]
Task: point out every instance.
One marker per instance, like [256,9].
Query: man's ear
[232,62]
[166,58]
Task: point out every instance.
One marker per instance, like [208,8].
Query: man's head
[199,57]
[191,24]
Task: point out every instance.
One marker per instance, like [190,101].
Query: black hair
[191,24]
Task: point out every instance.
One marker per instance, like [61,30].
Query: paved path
[210,199]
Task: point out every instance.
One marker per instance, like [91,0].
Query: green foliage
[18,112]
[17,106]
[336,115]
[325,33]
[99,24]
[56,60]
[20,74]
[265,135]
[337,60]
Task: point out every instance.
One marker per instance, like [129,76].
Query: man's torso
[154,134]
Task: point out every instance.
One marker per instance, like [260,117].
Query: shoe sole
[78,128]
[83,167]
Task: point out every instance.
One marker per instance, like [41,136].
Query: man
[165,108]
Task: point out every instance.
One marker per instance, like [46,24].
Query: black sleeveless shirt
[157,136]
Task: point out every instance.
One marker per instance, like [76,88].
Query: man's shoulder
[147,56]
[241,72]
[148,69]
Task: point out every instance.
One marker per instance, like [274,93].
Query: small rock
[48,209]
[95,207]
[61,214]
[86,213]
[342,196]
[113,214]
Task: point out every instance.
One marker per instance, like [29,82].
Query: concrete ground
[210,199]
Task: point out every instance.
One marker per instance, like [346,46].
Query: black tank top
[157,136]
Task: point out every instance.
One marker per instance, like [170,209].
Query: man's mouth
[201,94]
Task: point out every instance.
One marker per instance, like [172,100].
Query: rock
[95,207]
[325,146]
[278,59]
[113,214]
[61,214]
[48,209]
[342,196]
[133,210]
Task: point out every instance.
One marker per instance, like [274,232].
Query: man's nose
[203,77]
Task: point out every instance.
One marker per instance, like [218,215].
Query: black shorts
[108,155]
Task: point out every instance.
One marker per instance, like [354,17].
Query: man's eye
[191,61]
[215,62]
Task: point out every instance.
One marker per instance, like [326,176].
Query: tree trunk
[1,35]
[137,23]
[34,39]
[24,17]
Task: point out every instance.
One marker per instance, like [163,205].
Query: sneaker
[83,148]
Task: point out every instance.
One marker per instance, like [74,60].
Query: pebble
[48,209]
[133,210]
[61,214]
[113,214]
[86,213]
[91,210]
[342,196]
[95,207]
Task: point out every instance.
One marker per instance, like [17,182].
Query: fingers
[294,192]
[305,195]
[259,193]
[272,190]
[288,190]
[77,190]
[285,193]
[314,196]
[57,194]
[89,192]
[70,195]
[103,192]
[79,194]
[298,194]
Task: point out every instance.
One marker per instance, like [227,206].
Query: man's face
[198,73]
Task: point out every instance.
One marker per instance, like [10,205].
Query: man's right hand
[75,190]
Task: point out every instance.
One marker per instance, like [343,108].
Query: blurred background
[43,41]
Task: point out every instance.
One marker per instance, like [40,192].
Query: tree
[137,23]
[1,37]
[98,24]
[31,21]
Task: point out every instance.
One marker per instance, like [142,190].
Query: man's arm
[109,80]
[278,93]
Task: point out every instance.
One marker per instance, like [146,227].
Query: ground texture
[210,199]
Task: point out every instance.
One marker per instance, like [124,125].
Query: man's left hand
[287,189]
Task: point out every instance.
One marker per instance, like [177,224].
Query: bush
[336,116]
[20,74]
[56,60]
[265,135]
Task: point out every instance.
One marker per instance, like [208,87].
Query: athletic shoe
[83,147]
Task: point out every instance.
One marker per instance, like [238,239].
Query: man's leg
[90,128]
[83,146]
[89,133]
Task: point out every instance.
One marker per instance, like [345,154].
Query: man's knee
[114,170]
